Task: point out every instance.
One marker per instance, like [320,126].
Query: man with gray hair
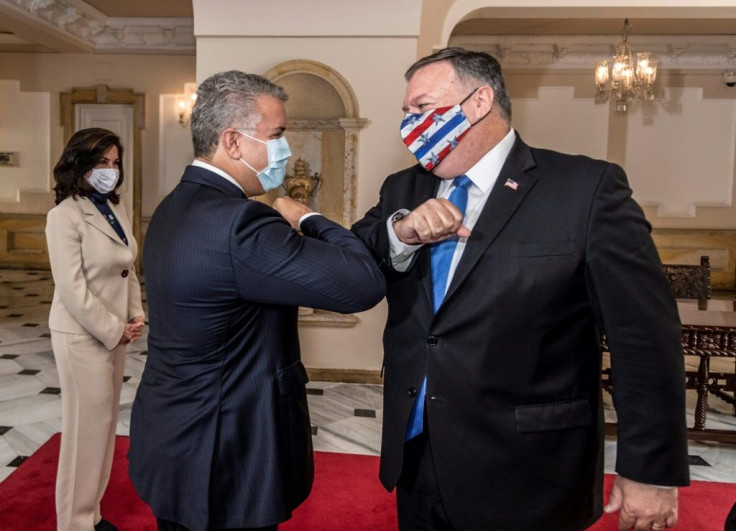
[220,435]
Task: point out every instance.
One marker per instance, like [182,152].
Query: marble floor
[345,417]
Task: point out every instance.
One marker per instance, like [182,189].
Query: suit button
[432,341]
[124,273]
[412,392]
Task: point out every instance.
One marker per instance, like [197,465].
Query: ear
[231,143]
[483,101]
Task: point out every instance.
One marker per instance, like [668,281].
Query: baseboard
[345,376]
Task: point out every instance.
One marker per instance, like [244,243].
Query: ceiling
[18,37]
[595,26]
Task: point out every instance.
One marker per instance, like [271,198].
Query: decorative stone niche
[322,130]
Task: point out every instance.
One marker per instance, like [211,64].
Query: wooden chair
[690,281]
[693,282]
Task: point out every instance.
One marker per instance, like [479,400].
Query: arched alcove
[322,129]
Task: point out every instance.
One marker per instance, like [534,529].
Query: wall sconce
[184,106]
[8,158]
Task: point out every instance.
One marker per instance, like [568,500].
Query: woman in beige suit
[95,312]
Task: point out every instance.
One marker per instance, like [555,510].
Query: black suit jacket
[220,433]
[512,356]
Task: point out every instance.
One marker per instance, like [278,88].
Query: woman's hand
[132,330]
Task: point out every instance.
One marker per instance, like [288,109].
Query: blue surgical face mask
[272,176]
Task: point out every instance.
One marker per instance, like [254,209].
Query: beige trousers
[90,377]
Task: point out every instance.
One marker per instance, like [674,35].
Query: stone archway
[323,124]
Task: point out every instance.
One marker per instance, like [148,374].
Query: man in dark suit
[492,402]
[220,435]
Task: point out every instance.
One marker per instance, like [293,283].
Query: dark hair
[81,154]
[228,99]
[472,66]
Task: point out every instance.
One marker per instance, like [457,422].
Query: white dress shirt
[483,175]
[218,171]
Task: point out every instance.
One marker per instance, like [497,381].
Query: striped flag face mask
[430,136]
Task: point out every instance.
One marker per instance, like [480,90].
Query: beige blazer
[96,287]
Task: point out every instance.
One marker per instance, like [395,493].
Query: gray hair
[472,66]
[228,99]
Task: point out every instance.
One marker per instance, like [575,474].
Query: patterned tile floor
[345,417]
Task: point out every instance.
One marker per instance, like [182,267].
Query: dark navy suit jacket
[220,434]
[559,252]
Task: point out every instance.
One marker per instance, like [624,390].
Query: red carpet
[346,496]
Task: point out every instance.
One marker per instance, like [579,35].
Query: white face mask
[104,179]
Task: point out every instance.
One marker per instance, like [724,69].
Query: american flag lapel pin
[510,183]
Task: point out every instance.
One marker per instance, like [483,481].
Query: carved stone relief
[172,34]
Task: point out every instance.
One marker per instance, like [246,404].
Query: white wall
[35,125]
[24,131]
[680,154]
[556,119]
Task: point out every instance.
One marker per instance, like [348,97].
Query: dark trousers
[168,525]
[731,519]
[418,501]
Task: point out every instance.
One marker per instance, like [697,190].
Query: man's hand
[291,210]
[642,506]
[432,221]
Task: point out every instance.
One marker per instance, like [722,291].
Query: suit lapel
[95,218]
[501,205]
[122,215]
[427,186]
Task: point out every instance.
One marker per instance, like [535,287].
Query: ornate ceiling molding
[170,35]
[80,21]
[583,51]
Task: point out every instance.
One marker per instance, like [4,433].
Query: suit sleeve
[327,267]
[65,255]
[373,231]
[636,309]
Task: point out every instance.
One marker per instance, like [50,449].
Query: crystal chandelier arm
[631,76]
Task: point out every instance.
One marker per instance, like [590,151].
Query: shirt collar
[207,166]
[485,172]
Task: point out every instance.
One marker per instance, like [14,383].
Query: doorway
[117,118]
[122,111]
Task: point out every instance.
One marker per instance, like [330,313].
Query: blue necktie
[442,253]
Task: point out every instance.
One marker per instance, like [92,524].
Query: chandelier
[629,79]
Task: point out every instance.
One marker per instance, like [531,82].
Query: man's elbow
[370,292]
[377,293]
